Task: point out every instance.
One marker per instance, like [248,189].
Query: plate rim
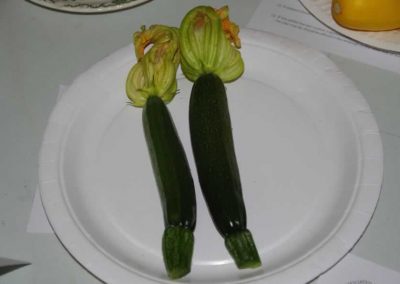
[358,36]
[50,186]
[89,10]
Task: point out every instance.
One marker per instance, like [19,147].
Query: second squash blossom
[209,43]
[155,72]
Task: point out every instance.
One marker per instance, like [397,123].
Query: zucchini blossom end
[154,74]
[209,43]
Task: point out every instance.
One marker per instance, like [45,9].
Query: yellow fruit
[367,15]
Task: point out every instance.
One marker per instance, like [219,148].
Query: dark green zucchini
[213,149]
[175,185]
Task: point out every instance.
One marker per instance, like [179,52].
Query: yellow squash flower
[209,43]
[154,74]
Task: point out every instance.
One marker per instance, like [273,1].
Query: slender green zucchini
[213,149]
[151,84]
[209,43]
[175,185]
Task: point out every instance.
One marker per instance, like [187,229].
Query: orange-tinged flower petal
[231,30]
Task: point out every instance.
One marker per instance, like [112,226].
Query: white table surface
[41,49]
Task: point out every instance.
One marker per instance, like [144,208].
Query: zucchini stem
[177,247]
[243,250]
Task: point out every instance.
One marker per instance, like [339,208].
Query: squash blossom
[209,43]
[154,74]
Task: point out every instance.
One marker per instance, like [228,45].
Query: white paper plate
[88,6]
[321,9]
[308,149]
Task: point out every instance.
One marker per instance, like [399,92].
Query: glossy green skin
[170,166]
[213,149]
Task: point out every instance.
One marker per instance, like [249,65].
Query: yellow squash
[367,15]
